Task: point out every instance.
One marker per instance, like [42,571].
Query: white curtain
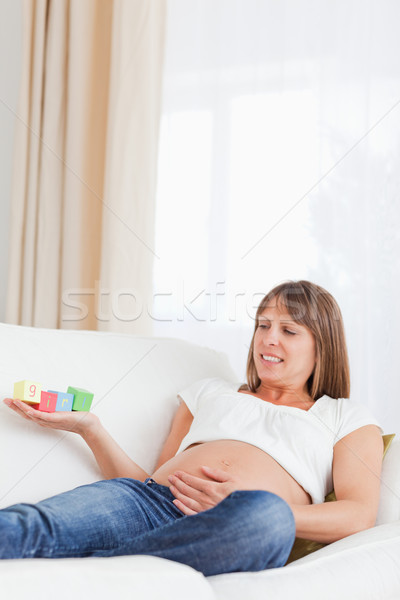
[82,211]
[279,159]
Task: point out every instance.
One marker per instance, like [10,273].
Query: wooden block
[64,401]
[48,402]
[28,391]
[83,399]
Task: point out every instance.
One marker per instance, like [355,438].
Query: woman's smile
[270,359]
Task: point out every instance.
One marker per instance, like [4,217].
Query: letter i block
[48,402]
[28,391]
[64,401]
[83,398]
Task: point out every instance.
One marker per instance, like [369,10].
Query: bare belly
[256,469]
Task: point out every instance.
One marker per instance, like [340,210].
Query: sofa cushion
[363,566]
[389,503]
[146,577]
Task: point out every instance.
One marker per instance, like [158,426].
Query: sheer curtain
[278,160]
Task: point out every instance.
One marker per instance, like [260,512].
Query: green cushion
[302,547]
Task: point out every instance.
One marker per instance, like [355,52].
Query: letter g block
[28,391]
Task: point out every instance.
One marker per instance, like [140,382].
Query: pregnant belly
[255,469]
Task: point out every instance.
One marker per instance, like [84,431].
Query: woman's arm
[110,457]
[115,463]
[180,426]
[357,464]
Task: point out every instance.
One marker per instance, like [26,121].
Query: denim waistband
[163,489]
[149,481]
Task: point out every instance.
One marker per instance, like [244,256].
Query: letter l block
[83,398]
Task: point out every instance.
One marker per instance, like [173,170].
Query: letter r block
[48,402]
[64,401]
[28,391]
[83,399]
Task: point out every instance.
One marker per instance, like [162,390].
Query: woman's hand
[76,421]
[194,495]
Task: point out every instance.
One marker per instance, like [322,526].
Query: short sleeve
[191,394]
[351,416]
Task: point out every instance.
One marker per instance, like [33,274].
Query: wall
[10,69]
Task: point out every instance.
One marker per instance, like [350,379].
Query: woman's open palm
[75,421]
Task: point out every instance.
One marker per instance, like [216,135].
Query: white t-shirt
[300,441]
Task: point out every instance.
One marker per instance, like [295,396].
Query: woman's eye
[264,326]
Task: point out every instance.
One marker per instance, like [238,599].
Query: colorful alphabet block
[28,391]
[51,401]
[83,398]
[48,402]
[64,401]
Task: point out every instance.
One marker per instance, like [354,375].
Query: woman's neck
[281,396]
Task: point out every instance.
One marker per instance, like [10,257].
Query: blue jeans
[247,531]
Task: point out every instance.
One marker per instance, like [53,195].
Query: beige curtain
[82,215]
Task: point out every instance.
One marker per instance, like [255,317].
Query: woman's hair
[315,308]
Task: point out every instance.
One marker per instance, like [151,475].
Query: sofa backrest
[135,381]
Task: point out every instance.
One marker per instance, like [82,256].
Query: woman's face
[278,336]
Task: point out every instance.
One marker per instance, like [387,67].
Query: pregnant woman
[245,468]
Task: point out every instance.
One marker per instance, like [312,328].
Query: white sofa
[135,381]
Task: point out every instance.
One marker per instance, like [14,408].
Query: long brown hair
[315,308]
